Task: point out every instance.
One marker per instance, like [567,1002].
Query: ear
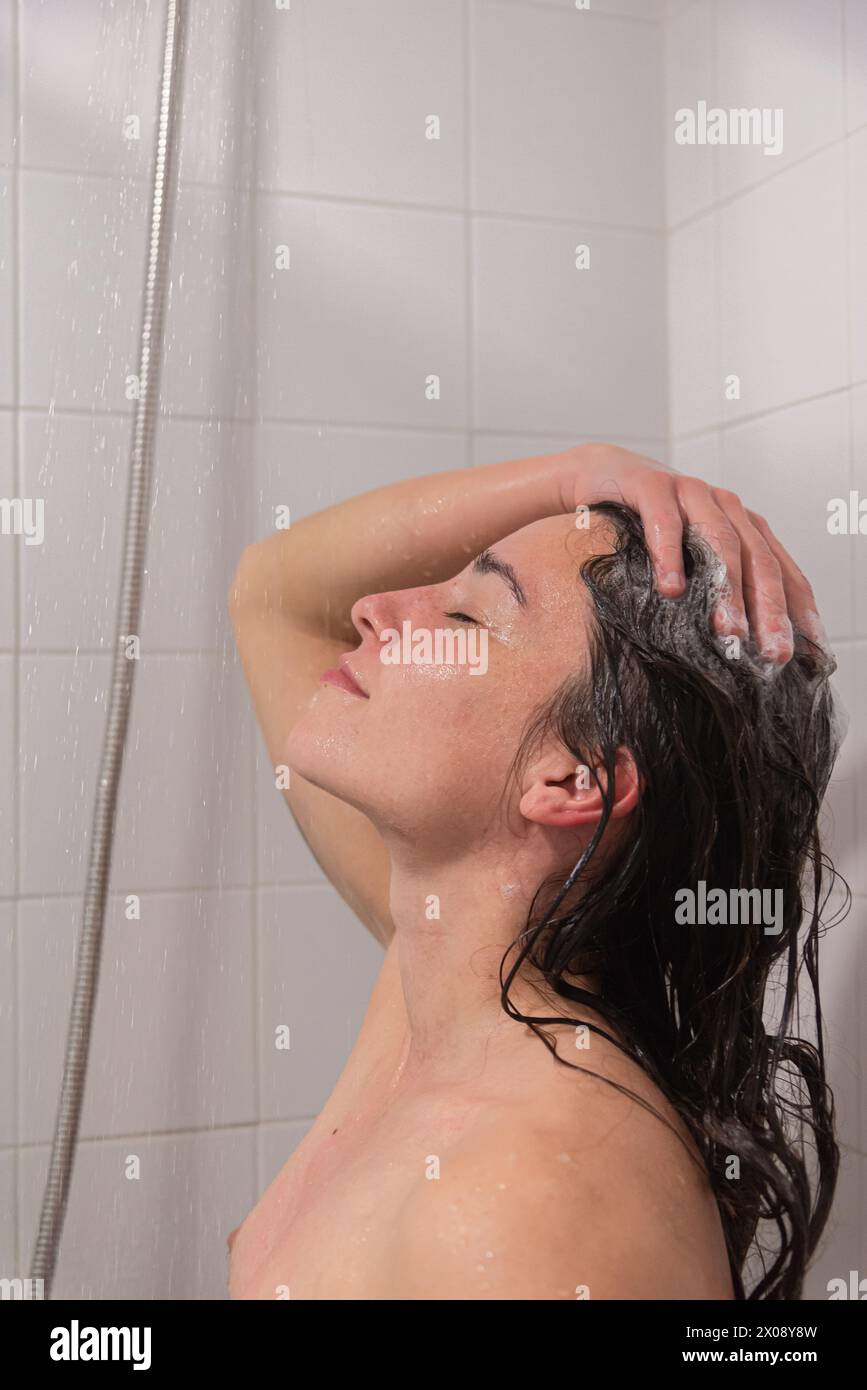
[561,793]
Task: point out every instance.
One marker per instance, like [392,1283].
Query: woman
[563,1087]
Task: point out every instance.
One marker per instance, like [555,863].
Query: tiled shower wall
[767,283]
[303,139]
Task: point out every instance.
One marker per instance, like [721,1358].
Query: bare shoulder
[602,1203]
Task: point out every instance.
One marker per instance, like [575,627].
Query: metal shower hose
[127,623]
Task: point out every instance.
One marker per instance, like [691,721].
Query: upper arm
[282,664]
[532,1217]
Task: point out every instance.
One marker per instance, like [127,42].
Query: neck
[454,921]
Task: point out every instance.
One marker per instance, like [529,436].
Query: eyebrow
[489,563]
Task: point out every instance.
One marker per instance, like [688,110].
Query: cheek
[468,724]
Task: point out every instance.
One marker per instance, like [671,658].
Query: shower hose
[127,623]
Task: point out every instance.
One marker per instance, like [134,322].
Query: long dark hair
[734,760]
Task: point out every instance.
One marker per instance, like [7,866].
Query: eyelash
[463,618]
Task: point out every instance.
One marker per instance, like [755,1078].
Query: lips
[342,677]
[347,670]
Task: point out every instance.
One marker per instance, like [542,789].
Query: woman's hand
[766,591]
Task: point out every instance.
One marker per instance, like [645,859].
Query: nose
[230,1239]
[375,612]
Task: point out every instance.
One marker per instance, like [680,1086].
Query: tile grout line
[184,1132]
[721,426]
[469,237]
[853,568]
[720,203]
[17,598]
[457,211]
[250,504]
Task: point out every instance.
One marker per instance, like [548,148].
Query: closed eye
[463,618]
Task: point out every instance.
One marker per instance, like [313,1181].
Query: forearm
[420,531]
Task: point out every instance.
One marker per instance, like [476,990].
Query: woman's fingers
[657,504]
[763,583]
[705,514]
[800,599]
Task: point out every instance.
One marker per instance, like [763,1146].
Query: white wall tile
[695,382]
[699,457]
[317,967]
[83,249]
[208,362]
[566,115]
[689,169]
[7,291]
[8,544]
[204,474]
[8,1031]
[84,246]
[859,483]
[855,12]
[62,704]
[8,1219]
[162,1235]
[309,467]
[373,304]
[7,88]
[185,806]
[74,111]
[217,130]
[85,70]
[345,91]
[77,464]
[782,286]
[856,153]
[778,54]
[650,10]
[496,448]
[561,350]
[8,778]
[186,813]
[787,466]
[173,1029]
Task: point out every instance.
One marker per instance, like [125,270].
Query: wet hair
[734,757]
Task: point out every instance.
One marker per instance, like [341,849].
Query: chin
[323,749]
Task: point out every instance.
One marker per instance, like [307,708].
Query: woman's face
[428,752]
